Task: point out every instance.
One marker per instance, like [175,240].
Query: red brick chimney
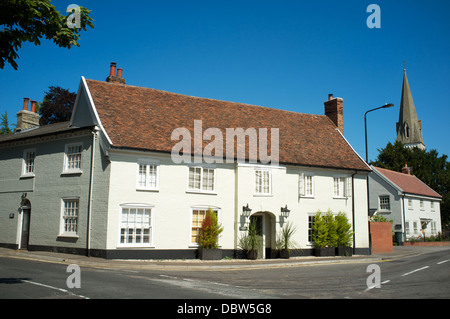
[406,169]
[334,109]
[112,74]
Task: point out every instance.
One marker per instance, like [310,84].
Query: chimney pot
[119,72]
[33,106]
[330,96]
[25,103]
[112,71]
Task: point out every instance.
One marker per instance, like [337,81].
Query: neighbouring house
[106,184]
[401,197]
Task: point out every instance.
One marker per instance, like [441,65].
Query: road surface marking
[55,288]
[409,273]
[444,261]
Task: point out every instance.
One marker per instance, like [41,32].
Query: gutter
[353,210]
[91,186]
[403,221]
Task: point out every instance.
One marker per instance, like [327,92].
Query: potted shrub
[254,240]
[285,242]
[332,236]
[321,236]
[209,237]
[344,235]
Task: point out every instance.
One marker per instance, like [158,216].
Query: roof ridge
[207,98]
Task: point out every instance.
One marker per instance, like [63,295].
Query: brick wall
[381,234]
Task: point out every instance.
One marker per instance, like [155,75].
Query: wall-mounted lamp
[285,212]
[246,211]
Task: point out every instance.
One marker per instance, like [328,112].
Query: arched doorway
[25,207]
[265,222]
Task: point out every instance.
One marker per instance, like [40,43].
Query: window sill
[74,236]
[122,246]
[27,175]
[147,189]
[262,195]
[193,191]
[72,172]
[307,196]
[340,197]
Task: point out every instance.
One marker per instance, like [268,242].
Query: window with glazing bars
[147,176]
[135,226]
[70,215]
[74,157]
[262,182]
[201,179]
[29,162]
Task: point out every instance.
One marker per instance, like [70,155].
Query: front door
[25,228]
[258,219]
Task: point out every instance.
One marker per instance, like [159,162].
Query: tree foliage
[343,230]
[428,166]
[320,231]
[4,124]
[57,105]
[210,231]
[29,21]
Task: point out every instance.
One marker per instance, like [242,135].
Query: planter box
[209,254]
[252,254]
[344,251]
[325,251]
[284,253]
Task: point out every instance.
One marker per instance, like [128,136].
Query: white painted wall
[415,212]
[235,188]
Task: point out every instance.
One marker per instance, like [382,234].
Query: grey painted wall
[46,190]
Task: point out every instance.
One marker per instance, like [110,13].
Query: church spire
[409,127]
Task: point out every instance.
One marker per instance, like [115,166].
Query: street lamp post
[367,160]
[365,122]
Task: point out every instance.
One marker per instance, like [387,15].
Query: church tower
[409,127]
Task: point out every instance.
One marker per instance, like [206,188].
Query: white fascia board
[354,149]
[94,109]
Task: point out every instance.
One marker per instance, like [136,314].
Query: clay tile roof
[408,183]
[143,118]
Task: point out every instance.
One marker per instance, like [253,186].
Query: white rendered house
[132,199]
[412,205]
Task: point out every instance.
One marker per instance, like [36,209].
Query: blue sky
[282,54]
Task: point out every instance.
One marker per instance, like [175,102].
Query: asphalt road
[421,276]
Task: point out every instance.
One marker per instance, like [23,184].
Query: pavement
[224,264]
